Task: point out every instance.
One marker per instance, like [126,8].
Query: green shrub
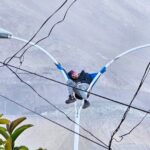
[11,132]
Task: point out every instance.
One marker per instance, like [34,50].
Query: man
[78,84]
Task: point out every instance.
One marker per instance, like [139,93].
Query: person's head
[73,74]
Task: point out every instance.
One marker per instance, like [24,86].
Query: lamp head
[5,34]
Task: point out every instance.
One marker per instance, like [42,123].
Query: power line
[14,56]
[52,121]
[139,123]
[129,106]
[62,20]
[128,109]
[55,106]
[143,118]
[56,81]
[38,30]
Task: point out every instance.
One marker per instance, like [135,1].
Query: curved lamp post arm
[8,35]
[104,68]
[48,54]
[37,46]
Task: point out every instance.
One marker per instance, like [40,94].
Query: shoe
[86,104]
[71,99]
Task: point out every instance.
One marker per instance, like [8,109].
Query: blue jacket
[85,77]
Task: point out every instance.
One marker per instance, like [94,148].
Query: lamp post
[8,35]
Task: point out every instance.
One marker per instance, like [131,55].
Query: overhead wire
[128,108]
[54,106]
[52,121]
[133,128]
[64,84]
[63,4]
[28,72]
[60,21]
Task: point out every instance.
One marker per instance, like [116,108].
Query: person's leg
[82,93]
[86,104]
[71,84]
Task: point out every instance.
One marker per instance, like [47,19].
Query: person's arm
[92,75]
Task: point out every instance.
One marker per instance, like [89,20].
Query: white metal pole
[76,127]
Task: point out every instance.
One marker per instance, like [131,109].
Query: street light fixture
[5,34]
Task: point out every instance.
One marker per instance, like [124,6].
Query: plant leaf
[4,121]
[4,133]
[2,142]
[8,145]
[18,131]
[1,115]
[15,123]
[8,127]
